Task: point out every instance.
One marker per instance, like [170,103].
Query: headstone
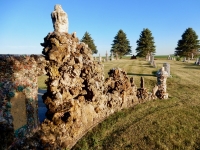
[154,64]
[161,83]
[167,68]
[149,58]
[192,56]
[184,59]
[59,19]
[197,61]
[116,56]
[152,59]
[169,57]
[106,56]
[111,56]
[146,57]
[99,58]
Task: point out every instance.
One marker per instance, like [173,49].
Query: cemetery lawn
[158,124]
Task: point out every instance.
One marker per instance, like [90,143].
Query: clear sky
[24,23]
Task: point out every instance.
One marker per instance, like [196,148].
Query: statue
[59,19]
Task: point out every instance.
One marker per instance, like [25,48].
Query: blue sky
[24,23]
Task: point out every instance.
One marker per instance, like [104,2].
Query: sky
[25,23]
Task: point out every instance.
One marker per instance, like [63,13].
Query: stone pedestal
[18,96]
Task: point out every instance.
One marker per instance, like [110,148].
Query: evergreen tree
[89,41]
[145,44]
[121,44]
[188,44]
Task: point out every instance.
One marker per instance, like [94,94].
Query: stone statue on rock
[59,19]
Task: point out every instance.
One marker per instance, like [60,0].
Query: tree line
[186,46]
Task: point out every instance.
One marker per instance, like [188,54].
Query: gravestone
[147,57]
[152,59]
[154,64]
[99,58]
[192,56]
[167,68]
[116,56]
[106,56]
[197,61]
[112,56]
[161,83]
[169,57]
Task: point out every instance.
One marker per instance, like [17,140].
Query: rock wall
[77,97]
[18,96]
[74,98]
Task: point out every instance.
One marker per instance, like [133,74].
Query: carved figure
[59,19]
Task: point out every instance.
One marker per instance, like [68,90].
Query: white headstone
[167,68]
[106,56]
[99,58]
[112,56]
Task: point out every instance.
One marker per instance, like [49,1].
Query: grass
[158,124]
[41,82]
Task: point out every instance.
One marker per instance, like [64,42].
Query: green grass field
[159,124]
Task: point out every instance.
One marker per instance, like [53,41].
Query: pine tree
[121,44]
[188,44]
[89,41]
[145,44]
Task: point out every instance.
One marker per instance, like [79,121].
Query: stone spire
[59,19]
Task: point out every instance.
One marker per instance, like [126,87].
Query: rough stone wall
[74,94]
[77,97]
[18,76]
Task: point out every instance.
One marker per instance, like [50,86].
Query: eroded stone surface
[162,84]
[59,19]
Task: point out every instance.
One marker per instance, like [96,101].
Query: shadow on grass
[137,74]
[192,67]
